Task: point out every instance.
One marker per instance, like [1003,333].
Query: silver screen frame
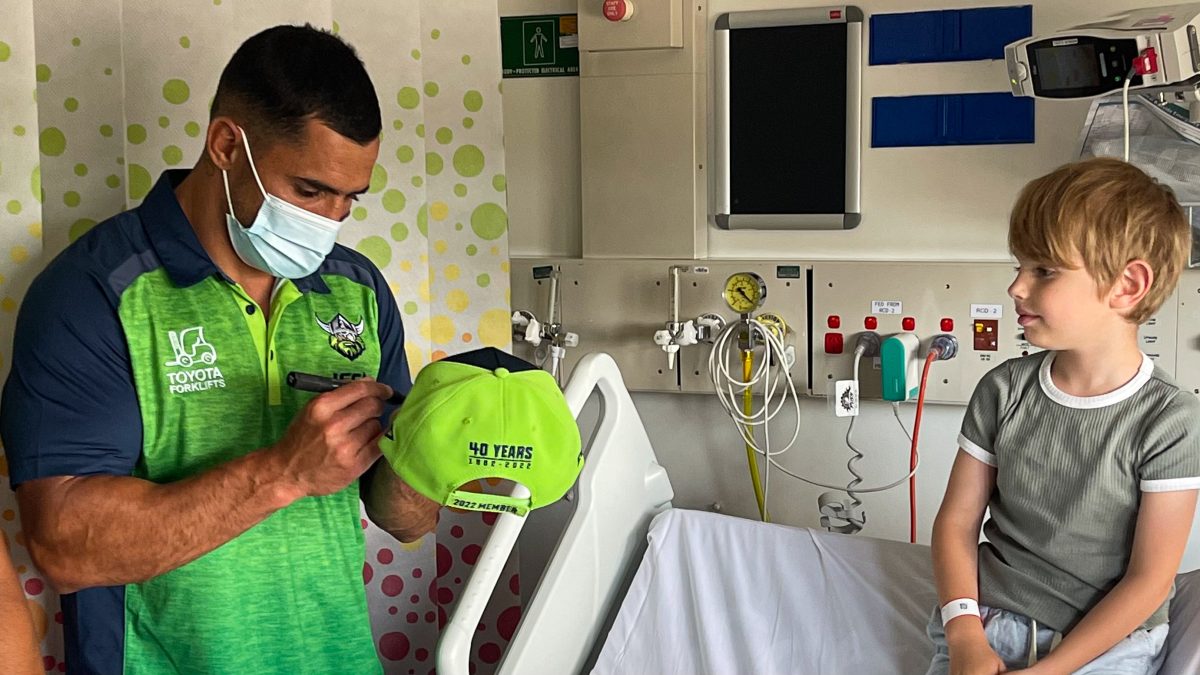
[723,214]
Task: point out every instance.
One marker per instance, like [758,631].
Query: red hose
[912,455]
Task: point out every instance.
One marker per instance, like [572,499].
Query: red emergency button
[870,323]
[908,323]
[834,321]
[833,343]
[618,10]
[947,325]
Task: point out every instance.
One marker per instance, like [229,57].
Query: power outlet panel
[967,300]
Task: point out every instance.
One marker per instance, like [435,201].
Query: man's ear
[223,144]
[1131,286]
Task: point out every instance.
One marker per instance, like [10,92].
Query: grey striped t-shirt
[1070,473]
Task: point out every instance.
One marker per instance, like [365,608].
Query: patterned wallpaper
[116,91]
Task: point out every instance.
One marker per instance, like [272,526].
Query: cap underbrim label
[477,501]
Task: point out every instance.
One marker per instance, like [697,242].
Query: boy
[1087,454]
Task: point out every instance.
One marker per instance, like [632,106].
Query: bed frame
[621,488]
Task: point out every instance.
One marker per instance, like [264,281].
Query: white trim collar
[1088,402]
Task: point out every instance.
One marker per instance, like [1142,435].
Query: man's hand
[332,441]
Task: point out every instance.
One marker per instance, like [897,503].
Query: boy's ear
[1131,286]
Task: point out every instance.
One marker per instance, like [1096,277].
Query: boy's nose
[1016,290]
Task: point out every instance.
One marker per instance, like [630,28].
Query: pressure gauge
[745,292]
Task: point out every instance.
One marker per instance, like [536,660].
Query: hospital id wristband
[957,608]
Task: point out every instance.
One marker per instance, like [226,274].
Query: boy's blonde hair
[1109,213]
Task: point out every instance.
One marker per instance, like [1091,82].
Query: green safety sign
[540,46]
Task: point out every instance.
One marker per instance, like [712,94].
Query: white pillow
[1183,640]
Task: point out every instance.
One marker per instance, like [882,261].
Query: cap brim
[490,358]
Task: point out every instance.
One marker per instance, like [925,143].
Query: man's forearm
[395,507]
[88,531]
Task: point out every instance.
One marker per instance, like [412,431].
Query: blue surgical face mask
[284,240]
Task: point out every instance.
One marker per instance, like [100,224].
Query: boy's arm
[18,645]
[1163,524]
[956,557]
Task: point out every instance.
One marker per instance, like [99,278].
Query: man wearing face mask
[197,514]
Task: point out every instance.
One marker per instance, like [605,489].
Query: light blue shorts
[1008,634]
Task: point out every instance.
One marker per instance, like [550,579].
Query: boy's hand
[975,657]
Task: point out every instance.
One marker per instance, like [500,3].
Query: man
[197,514]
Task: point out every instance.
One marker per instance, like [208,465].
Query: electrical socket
[845,398]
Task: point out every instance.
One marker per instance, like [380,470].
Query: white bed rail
[620,489]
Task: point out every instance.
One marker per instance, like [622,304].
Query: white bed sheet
[719,595]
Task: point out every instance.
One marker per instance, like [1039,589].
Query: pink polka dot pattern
[444,560]
[470,554]
[423,582]
[392,585]
[506,625]
[393,646]
[489,652]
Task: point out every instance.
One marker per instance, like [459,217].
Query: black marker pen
[320,384]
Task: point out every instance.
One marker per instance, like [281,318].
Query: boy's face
[1061,308]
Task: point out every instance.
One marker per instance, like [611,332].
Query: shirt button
[249,309]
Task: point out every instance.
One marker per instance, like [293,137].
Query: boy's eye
[1044,272]
[308,194]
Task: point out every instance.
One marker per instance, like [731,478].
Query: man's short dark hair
[283,76]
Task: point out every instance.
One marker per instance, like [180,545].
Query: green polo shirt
[134,355]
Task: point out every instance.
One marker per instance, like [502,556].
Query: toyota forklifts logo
[195,359]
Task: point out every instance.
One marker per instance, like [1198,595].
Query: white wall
[918,204]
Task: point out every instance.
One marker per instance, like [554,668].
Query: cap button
[501,372]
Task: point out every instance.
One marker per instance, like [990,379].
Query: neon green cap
[485,414]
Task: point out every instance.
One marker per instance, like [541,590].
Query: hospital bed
[635,586]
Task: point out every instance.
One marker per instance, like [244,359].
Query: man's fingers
[347,395]
[362,410]
[364,435]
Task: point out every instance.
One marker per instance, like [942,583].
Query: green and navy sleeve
[1171,447]
[393,361]
[69,407]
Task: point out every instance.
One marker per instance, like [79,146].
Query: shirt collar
[175,242]
[171,234]
[1145,371]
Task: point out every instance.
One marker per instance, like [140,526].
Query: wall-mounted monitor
[787,113]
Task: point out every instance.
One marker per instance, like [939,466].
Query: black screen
[1069,67]
[787,128]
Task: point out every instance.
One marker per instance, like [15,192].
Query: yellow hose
[748,407]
